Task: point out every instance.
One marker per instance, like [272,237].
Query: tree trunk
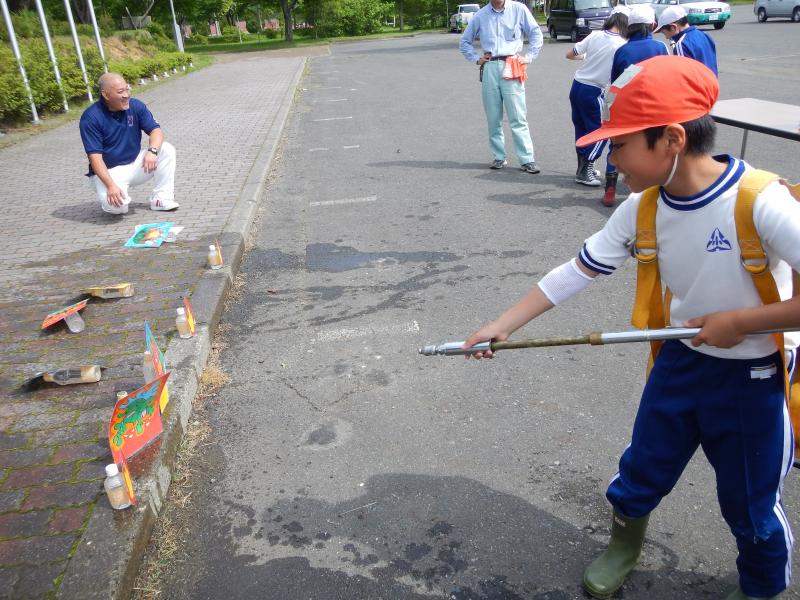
[401,10]
[81,11]
[288,6]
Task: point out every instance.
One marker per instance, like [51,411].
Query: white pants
[133,174]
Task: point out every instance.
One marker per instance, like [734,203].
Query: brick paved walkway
[53,443]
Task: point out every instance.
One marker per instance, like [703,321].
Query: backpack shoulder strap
[754,259]
[648,306]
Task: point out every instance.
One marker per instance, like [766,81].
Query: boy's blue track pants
[736,411]
[586,101]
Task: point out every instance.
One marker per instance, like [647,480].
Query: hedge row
[14,104]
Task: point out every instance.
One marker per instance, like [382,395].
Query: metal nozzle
[453,349]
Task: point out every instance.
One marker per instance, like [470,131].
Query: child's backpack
[651,306]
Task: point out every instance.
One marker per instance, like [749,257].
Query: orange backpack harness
[651,306]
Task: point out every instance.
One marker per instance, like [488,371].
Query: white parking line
[344,201]
[337,100]
[333,119]
[349,333]
[317,149]
[351,147]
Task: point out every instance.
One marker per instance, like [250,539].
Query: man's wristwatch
[153,149]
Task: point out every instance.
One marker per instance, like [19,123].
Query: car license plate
[714,17]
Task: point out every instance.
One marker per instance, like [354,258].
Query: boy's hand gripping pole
[593,339]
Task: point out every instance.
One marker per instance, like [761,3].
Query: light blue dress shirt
[502,32]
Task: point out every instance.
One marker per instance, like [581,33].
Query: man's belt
[480,74]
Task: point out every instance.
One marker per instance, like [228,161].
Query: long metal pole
[594,339]
[97,39]
[12,36]
[175,29]
[52,54]
[76,41]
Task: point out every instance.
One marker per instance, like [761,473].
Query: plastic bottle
[182,324]
[75,322]
[213,257]
[115,488]
[87,374]
[148,369]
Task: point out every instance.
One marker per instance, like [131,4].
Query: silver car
[768,9]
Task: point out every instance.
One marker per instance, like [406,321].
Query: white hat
[641,13]
[669,16]
[621,8]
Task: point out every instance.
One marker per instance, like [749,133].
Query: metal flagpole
[593,339]
[12,36]
[76,41]
[50,51]
[97,39]
[176,31]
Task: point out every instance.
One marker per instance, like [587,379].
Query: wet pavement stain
[336,259]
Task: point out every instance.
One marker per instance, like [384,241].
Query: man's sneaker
[587,175]
[498,164]
[158,204]
[530,167]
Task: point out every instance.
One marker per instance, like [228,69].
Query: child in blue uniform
[724,389]
[640,46]
[687,40]
[593,76]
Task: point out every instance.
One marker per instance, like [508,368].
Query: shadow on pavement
[411,537]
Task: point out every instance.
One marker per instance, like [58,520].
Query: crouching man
[111,131]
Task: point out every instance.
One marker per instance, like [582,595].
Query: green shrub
[132,72]
[198,38]
[26,25]
[106,24]
[14,104]
[157,29]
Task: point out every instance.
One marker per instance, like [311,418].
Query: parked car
[576,18]
[699,12]
[632,2]
[460,19]
[768,9]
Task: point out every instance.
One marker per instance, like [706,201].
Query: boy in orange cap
[724,389]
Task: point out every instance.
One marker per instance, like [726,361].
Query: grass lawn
[262,44]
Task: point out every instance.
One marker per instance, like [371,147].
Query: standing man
[111,131]
[502,26]
[687,40]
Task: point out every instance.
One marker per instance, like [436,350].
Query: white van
[768,9]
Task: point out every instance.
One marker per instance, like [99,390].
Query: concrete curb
[108,557]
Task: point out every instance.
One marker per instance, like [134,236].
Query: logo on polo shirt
[717,242]
[130,120]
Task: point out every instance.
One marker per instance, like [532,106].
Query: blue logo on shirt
[717,241]
[130,120]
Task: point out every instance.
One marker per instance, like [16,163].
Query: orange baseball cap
[655,92]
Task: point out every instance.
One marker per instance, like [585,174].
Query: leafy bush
[26,25]
[157,29]
[198,38]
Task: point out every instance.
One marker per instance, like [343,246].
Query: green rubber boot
[608,571]
[740,595]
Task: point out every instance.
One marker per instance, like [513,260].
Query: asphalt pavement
[343,465]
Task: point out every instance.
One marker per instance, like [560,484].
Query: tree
[288,7]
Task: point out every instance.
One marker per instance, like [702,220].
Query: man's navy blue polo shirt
[115,135]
